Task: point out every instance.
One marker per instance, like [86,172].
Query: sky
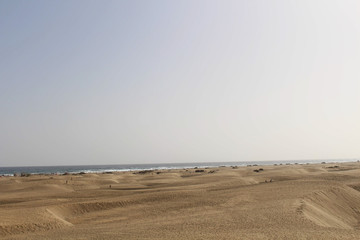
[122,82]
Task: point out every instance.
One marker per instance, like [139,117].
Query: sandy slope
[302,202]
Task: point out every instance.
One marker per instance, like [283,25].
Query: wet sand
[320,201]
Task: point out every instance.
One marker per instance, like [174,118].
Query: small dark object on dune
[323,162]
[108,172]
[199,170]
[212,171]
[256,170]
[82,173]
[158,172]
[23,174]
[144,172]
[261,169]
[65,173]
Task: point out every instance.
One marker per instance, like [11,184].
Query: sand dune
[300,202]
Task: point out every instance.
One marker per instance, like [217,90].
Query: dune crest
[338,207]
[59,217]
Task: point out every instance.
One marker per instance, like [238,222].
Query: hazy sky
[102,82]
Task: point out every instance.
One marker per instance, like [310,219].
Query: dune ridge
[338,207]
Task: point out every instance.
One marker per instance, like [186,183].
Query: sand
[320,201]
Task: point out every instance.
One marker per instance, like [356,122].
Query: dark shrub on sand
[23,174]
[144,172]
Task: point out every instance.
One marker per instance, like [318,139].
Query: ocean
[10,171]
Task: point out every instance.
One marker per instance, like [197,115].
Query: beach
[295,201]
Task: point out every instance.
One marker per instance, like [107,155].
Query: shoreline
[195,166]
